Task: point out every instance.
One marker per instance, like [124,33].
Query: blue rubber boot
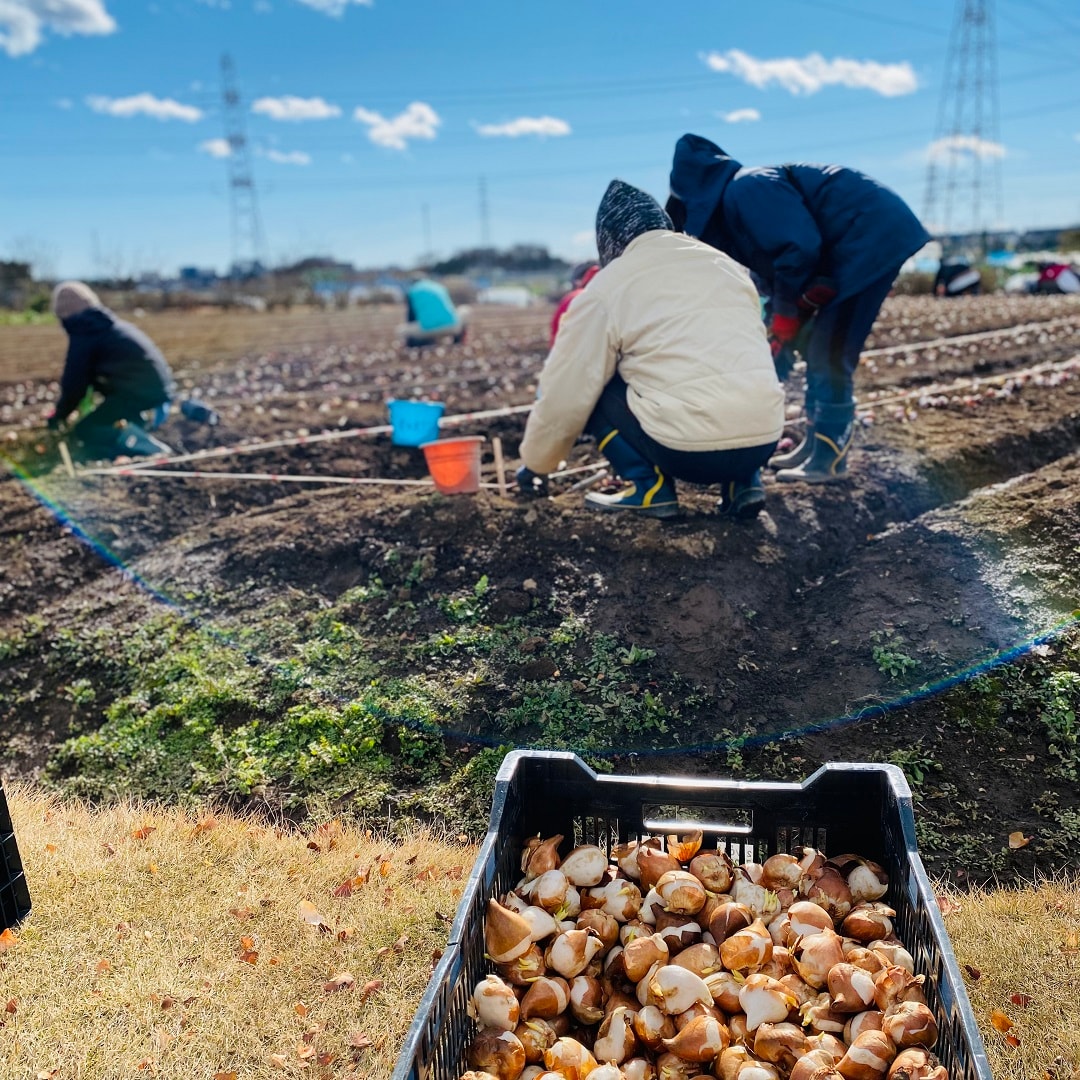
[649,492]
[132,441]
[833,432]
[743,499]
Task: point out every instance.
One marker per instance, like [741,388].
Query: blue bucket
[414,422]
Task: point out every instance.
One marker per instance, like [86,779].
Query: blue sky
[361,114]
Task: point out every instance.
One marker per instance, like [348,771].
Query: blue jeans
[694,466]
[835,339]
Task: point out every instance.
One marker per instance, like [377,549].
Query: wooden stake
[500,466]
[65,457]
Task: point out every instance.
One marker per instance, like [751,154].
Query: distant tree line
[521,258]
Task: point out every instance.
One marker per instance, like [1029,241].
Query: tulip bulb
[728,919]
[494,1004]
[616,1041]
[652,903]
[701,959]
[820,1016]
[740,1033]
[869,922]
[532,1072]
[917,1064]
[605,926]
[641,954]
[607,1072]
[639,1068]
[652,1026]
[674,989]
[724,988]
[684,848]
[702,1040]
[714,869]
[696,1010]
[569,1059]
[815,1065]
[587,1000]
[806,918]
[781,871]
[765,1000]
[670,1066]
[868,1057]
[729,1062]
[862,957]
[782,1044]
[679,931]
[894,954]
[831,891]
[815,954]
[506,934]
[870,1020]
[535,1036]
[866,879]
[762,901]
[810,859]
[851,988]
[526,968]
[619,898]
[546,998]
[799,987]
[540,856]
[834,1046]
[681,892]
[584,866]
[653,864]
[910,1023]
[895,984]
[747,950]
[478,1074]
[541,923]
[497,1052]
[570,953]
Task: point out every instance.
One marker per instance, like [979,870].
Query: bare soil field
[372,650]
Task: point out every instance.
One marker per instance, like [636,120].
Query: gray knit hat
[625,213]
[72,297]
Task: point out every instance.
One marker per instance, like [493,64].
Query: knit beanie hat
[625,213]
[72,297]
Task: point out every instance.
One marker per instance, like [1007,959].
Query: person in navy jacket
[118,361]
[825,244]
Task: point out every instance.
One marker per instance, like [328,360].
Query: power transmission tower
[963,174]
[247,236]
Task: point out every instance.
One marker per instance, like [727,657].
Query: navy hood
[91,321]
[625,212]
[700,172]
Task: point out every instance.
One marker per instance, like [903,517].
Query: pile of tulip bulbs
[668,962]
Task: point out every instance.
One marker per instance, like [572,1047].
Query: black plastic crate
[14,894]
[841,808]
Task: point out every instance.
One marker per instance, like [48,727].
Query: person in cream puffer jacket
[664,360]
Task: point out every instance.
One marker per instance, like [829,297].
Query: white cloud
[295,108]
[334,7]
[291,157]
[418,121]
[218,148]
[64,103]
[964,146]
[740,116]
[526,125]
[23,22]
[809,74]
[144,105]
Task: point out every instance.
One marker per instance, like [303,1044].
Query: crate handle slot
[728,820]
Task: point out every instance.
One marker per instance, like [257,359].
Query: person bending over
[663,359]
[117,360]
[580,276]
[430,314]
[826,242]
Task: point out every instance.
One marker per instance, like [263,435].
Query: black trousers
[694,466]
[97,429]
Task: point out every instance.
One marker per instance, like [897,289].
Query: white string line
[963,339]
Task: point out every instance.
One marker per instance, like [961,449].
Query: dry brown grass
[134,961]
[1021,952]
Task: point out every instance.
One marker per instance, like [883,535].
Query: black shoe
[743,499]
[795,456]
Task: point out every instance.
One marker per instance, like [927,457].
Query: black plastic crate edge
[15,902]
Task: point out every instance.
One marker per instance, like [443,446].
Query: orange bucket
[454,464]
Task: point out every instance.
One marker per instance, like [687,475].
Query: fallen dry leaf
[1072,941]
[973,972]
[399,945]
[300,1009]
[8,940]
[310,913]
[1013,1040]
[342,981]
[1000,1021]
[369,988]
[51,849]
[304,1051]
[359,1040]
[204,825]
[1023,1000]
[947,906]
[223,1075]
[144,832]
[1018,840]
[12,1006]
[103,966]
[279,1061]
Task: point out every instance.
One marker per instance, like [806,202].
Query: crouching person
[117,360]
[664,360]
[430,315]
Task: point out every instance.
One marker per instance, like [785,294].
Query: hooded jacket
[790,224]
[112,356]
[682,326]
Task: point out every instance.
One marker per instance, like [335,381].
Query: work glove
[530,483]
[815,297]
[783,330]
